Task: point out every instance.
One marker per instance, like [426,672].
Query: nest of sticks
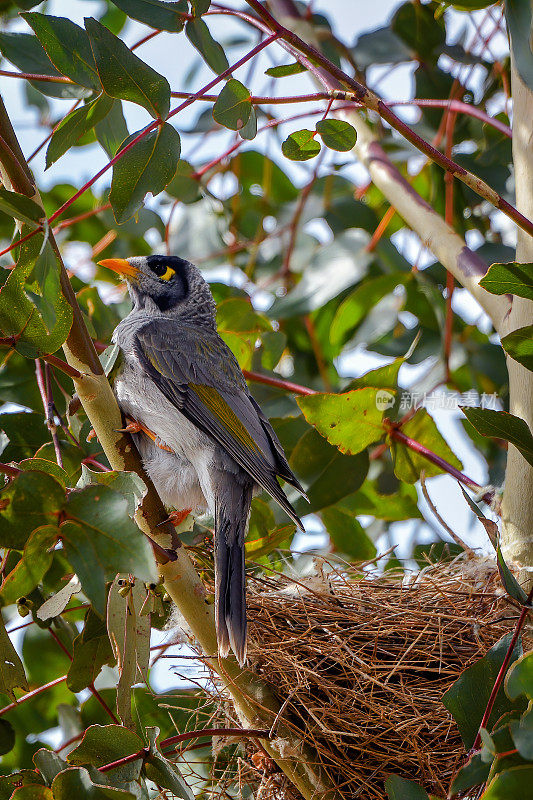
[360,666]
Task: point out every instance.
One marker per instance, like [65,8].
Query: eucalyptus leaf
[211,51]
[67,46]
[147,166]
[124,75]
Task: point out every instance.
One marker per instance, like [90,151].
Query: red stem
[34,693]
[182,737]
[278,383]
[416,447]
[503,669]
[97,696]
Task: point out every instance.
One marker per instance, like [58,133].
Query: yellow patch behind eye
[167,275]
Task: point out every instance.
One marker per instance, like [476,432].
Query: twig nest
[362,665]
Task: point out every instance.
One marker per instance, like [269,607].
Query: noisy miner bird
[202,437]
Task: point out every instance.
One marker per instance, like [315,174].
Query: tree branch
[374,103]
[449,248]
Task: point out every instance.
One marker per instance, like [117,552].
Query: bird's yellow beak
[121,266]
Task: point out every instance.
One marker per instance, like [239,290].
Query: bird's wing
[199,374]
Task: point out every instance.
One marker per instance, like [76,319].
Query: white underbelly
[178,476]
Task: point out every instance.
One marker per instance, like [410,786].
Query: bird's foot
[177,517]
[91,435]
[133,426]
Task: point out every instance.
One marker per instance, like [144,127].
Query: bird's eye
[165,273]
[168,274]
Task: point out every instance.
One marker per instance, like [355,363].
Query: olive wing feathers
[199,374]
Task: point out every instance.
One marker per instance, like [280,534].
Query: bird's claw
[177,517]
[133,426]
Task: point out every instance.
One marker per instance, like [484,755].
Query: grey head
[167,286]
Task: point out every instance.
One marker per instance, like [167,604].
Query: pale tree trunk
[517,504]
[451,250]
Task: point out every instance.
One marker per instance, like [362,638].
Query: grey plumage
[180,380]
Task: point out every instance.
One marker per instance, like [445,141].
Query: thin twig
[457,539]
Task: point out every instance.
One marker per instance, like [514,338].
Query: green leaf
[511,278]
[337,134]
[467,699]
[285,69]
[511,784]
[355,307]
[519,19]
[26,52]
[20,207]
[75,125]
[519,678]
[199,7]
[12,675]
[183,185]
[380,46]
[67,46]
[91,650]
[418,28]
[103,744]
[148,166]
[510,584]
[301,146]
[519,345]
[26,777]
[124,75]
[112,130]
[162,771]
[501,425]
[351,421]
[156,13]
[48,763]
[522,733]
[333,269]
[326,474]
[408,464]
[474,773]
[100,540]
[233,106]
[129,484]
[347,534]
[211,51]
[33,792]
[278,537]
[400,505]
[24,310]
[31,500]
[46,274]
[249,131]
[76,782]
[26,433]
[401,789]
[35,562]
[7,737]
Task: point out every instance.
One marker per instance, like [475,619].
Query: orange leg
[137,427]
[177,517]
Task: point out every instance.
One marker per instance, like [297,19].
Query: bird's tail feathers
[275,490]
[232,507]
